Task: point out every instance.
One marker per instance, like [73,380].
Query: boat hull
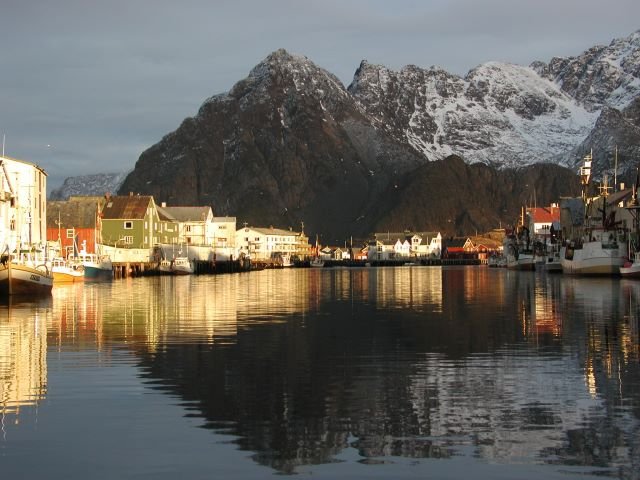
[97,273]
[630,271]
[16,279]
[60,276]
[592,260]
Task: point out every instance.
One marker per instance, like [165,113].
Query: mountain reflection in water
[300,365]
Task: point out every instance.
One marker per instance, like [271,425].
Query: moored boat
[552,260]
[517,250]
[96,267]
[66,272]
[181,266]
[316,262]
[631,268]
[600,249]
[20,278]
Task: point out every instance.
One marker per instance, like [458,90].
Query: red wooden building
[72,224]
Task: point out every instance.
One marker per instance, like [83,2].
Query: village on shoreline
[139,235]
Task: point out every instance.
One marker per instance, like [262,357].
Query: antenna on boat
[585,173]
[615,171]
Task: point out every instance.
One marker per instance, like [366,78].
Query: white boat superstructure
[602,247]
[96,267]
[603,253]
[181,266]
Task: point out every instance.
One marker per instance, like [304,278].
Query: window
[222,227]
[188,239]
[70,232]
[127,240]
[188,228]
[128,225]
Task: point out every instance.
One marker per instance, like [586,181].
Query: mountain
[97,184]
[453,197]
[290,143]
[286,145]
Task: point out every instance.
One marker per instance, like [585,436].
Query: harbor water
[406,372]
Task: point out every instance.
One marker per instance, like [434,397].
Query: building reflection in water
[415,362]
[23,354]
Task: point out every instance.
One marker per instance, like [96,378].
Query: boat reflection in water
[486,368]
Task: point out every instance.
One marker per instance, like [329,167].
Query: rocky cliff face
[290,143]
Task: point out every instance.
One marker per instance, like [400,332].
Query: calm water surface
[413,372]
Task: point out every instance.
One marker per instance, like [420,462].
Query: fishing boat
[165,267]
[631,267]
[20,277]
[181,266]
[601,248]
[316,261]
[552,261]
[96,267]
[66,271]
[517,249]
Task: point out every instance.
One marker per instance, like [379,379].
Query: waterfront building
[224,238]
[541,219]
[389,245]
[193,225]
[130,221]
[23,204]
[262,244]
[458,248]
[72,225]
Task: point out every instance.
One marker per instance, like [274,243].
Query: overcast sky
[87,85]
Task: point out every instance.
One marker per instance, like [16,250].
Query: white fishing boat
[552,260]
[181,266]
[517,250]
[631,267]
[601,249]
[165,267]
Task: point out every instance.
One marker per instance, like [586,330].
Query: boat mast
[615,171]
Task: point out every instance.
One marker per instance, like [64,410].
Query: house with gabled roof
[542,221]
[130,222]
[389,245]
[194,224]
[458,247]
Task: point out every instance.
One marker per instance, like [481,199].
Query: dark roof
[188,214]
[133,207]
[77,212]
[454,242]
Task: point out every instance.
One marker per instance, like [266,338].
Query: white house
[195,224]
[224,238]
[262,243]
[389,245]
[23,204]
